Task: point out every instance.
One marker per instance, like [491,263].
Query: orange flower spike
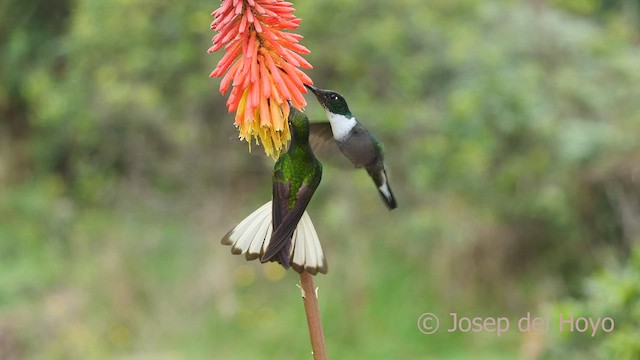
[226,81]
[264,79]
[241,108]
[295,93]
[264,111]
[275,74]
[274,109]
[303,76]
[262,65]
[255,96]
[275,93]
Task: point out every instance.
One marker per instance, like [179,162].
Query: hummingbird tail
[306,250]
[252,235]
[382,183]
[387,196]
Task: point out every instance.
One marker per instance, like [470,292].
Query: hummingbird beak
[312,88]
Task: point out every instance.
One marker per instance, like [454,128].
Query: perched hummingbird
[353,140]
[281,230]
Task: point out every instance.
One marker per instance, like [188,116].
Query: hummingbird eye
[334,96]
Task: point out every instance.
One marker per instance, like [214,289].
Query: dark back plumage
[296,176]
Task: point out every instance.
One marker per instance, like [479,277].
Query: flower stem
[313,316]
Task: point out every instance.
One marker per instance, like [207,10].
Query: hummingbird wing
[325,147]
[286,220]
[251,238]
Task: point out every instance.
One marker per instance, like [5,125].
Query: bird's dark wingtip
[284,261]
[280,257]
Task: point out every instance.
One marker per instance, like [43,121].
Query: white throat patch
[340,125]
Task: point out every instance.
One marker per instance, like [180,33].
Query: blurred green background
[512,133]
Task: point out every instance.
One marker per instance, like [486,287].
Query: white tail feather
[252,235]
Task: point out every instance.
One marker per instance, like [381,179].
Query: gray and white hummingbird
[352,138]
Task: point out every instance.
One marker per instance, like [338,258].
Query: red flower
[262,64]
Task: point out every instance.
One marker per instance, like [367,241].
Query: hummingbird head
[331,101]
[298,123]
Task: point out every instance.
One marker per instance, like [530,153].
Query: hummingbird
[353,140]
[281,230]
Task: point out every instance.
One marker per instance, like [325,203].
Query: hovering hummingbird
[281,230]
[353,140]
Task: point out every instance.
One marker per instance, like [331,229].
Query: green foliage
[511,132]
[615,293]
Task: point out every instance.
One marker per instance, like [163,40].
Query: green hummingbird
[352,139]
[281,230]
